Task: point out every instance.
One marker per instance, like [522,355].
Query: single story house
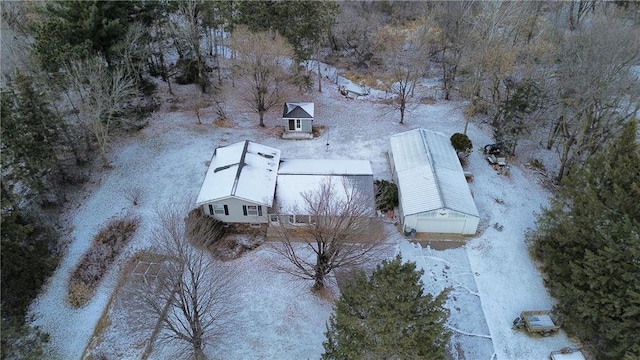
[299,178]
[298,120]
[433,193]
[240,183]
[248,185]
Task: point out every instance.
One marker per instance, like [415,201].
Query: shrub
[461,142]
[133,194]
[537,164]
[106,246]
[386,195]
[203,230]
[188,72]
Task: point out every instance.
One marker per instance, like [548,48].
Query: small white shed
[298,119]
[433,193]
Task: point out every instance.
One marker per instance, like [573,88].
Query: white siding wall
[448,222]
[236,213]
[306,125]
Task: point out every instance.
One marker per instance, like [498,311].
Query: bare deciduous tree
[193,298]
[103,95]
[596,89]
[262,57]
[337,230]
[454,21]
[405,52]
[355,29]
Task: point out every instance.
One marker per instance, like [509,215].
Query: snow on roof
[324,167]
[299,110]
[430,176]
[245,170]
[290,190]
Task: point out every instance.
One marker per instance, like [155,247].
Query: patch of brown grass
[223,123]
[362,79]
[428,100]
[318,130]
[106,246]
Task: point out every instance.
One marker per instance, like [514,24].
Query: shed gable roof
[430,176]
[245,170]
[302,110]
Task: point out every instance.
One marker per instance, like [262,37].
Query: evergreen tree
[75,30]
[302,23]
[588,241]
[29,131]
[388,317]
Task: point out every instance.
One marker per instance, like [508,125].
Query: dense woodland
[76,74]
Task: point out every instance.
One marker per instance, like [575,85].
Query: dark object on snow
[492,149]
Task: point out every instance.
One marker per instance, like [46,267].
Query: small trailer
[538,321]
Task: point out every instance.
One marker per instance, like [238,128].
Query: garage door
[440,226]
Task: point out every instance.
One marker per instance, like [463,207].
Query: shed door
[440,226]
[295,125]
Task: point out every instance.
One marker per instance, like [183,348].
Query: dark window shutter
[259,210]
[244,210]
[292,125]
[211,209]
[226,210]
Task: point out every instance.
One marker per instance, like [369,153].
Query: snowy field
[492,276]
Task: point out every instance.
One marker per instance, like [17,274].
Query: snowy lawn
[492,276]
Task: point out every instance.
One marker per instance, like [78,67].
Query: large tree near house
[340,232]
[193,299]
[388,316]
[262,59]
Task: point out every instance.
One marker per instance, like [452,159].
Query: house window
[252,210]
[298,124]
[273,218]
[292,125]
[292,219]
[254,225]
[219,209]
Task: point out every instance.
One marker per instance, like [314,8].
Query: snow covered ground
[492,276]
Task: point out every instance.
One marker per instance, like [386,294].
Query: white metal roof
[430,176]
[324,167]
[291,188]
[245,170]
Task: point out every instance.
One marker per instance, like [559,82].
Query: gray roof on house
[430,176]
[303,110]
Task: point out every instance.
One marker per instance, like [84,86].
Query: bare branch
[262,57]
[337,229]
[193,297]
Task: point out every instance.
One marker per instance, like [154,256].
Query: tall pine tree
[588,241]
[387,317]
[30,134]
